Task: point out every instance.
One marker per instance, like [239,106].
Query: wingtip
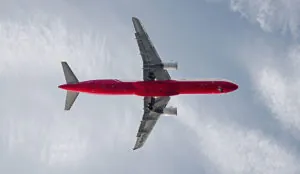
[63,62]
[134,18]
[136,147]
[66,108]
[138,25]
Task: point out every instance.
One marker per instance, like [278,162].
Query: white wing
[149,54]
[149,119]
[150,57]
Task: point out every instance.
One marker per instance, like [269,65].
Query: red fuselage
[151,88]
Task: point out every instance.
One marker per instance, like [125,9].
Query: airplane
[156,88]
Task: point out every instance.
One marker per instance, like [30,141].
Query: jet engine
[164,65]
[170,111]
[170,65]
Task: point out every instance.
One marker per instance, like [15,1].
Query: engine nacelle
[170,65]
[170,111]
[164,65]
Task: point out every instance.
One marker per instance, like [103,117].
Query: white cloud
[273,68]
[30,57]
[277,82]
[271,15]
[233,148]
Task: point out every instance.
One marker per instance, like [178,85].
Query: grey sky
[253,130]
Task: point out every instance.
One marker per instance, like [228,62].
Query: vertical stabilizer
[70,79]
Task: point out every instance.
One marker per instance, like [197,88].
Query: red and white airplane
[156,87]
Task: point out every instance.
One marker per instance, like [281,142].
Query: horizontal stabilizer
[69,75]
[70,79]
[70,99]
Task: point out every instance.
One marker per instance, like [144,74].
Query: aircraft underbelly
[156,89]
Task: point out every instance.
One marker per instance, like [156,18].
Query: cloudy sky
[251,42]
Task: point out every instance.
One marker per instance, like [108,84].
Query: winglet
[70,79]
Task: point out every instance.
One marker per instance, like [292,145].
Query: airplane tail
[70,79]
